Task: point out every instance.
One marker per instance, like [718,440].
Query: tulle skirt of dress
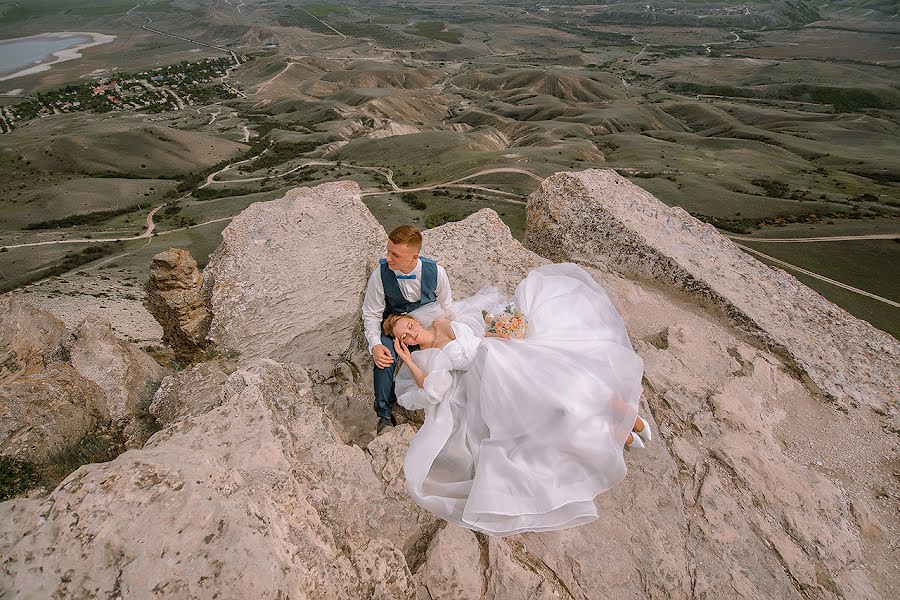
[535,429]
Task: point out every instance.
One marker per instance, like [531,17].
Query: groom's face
[401,257]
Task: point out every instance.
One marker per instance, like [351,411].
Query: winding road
[234,55]
[388,174]
[806,240]
[791,267]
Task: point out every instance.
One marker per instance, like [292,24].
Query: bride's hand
[402,351]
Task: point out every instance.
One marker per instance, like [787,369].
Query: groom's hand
[382,356]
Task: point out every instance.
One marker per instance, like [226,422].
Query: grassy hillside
[764,118]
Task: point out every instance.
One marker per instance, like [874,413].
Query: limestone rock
[757,518]
[29,338]
[190,393]
[868,523]
[127,375]
[751,488]
[174,300]
[387,452]
[453,566]
[599,217]
[46,410]
[387,575]
[512,576]
[108,293]
[258,499]
[479,251]
[56,387]
[288,279]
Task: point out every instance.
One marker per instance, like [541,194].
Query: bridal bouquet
[510,324]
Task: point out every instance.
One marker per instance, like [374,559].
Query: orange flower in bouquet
[511,323]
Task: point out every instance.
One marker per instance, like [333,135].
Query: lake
[26,55]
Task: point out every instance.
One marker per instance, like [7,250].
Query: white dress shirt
[374,302]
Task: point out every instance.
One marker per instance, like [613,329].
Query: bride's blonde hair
[391,321]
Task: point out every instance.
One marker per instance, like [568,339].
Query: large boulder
[45,411]
[453,566]
[479,251]
[256,499]
[30,338]
[56,387]
[174,300]
[190,393]
[287,281]
[127,375]
[599,217]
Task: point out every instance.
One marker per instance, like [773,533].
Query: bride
[520,434]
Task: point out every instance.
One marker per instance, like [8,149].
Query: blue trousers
[384,382]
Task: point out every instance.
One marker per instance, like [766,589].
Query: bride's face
[410,332]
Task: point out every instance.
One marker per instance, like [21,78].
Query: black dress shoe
[384,425]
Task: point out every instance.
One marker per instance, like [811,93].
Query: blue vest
[394,302]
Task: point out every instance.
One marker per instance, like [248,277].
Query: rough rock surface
[114,293]
[752,487]
[479,251]
[46,410]
[56,387]
[190,393]
[174,300]
[276,282]
[453,566]
[29,337]
[127,375]
[258,499]
[599,217]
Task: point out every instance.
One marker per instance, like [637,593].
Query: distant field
[831,44]
[436,30]
[21,266]
[389,20]
[11,12]
[81,196]
[395,15]
[295,17]
[323,9]
[859,264]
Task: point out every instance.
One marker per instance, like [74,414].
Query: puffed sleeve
[461,352]
[438,380]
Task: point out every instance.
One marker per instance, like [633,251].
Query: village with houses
[171,87]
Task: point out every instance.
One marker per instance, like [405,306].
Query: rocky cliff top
[599,217]
[266,482]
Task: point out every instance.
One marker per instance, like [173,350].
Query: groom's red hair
[407,234]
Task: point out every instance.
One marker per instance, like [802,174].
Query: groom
[403,282]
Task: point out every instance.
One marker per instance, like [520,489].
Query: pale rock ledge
[598,217]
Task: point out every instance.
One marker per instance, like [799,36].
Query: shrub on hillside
[83,219]
[440,218]
[773,187]
[414,202]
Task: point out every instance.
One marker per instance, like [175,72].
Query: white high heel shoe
[645,432]
[635,441]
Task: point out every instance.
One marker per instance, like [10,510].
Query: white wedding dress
[521,435]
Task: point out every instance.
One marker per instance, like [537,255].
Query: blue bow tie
[413,276]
